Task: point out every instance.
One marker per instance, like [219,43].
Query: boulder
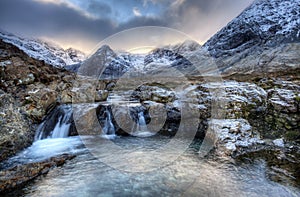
[232,135]
[21,174]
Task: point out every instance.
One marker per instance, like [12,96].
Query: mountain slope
[51,54]
[263,41]
[264,23]
[112,65]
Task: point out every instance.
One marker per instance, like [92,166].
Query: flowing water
[136,165]
[57,123]
[109,128]
[188,175]
[140,128]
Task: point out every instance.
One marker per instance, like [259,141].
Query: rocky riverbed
[227,112]
[256,116]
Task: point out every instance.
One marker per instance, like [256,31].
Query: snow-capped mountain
[263,23]
[264,40]
[107,64]
[48,52]
[184,48]
[112,65]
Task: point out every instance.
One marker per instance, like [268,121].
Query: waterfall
[109,128]
[61,129]
[140,128]
[56,124]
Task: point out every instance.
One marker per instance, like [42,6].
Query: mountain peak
[263,23]
[186,46]
[105,49]
[41,50]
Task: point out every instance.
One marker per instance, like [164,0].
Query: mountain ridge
[264,23]
[41,50]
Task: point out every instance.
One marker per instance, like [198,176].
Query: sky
[82,24]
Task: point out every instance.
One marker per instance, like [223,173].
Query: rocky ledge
[29,89]
[19,175]
[251,114]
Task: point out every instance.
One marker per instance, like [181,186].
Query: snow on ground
[48,52]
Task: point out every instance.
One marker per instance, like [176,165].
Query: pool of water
[187,174]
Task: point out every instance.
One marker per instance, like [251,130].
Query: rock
[278,142]
[283,100]
[28,88]
[154,93]
[21,174]
[101,95]
[232,135]
[283,164]
[87,90]
[162,118]
[85,119]
[110,86]
[15,130]
[39,99]
[124,117]
[240,98]
[282,113]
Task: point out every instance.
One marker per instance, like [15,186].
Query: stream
[137,165]
[188,175]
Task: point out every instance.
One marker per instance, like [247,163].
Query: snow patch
[51,54]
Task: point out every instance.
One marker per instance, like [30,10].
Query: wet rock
[21,174]
[282,163]
[231,135]
[85,119]
[154,93]
[278,142]
[101,95]
[28,88]
[15,130]
[124,117]
[161,118]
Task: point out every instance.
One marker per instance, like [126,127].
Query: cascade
[140,128]
[109,128]
[56,124]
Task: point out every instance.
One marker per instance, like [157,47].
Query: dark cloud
[99,8]
[36,19]
[25,16]
[62,22]
[143,21]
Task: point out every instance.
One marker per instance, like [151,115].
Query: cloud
[83,24]
[99,9]
[67,3]
[201,18]
[51,20]
[136,11]
[177,3]
[154,2]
